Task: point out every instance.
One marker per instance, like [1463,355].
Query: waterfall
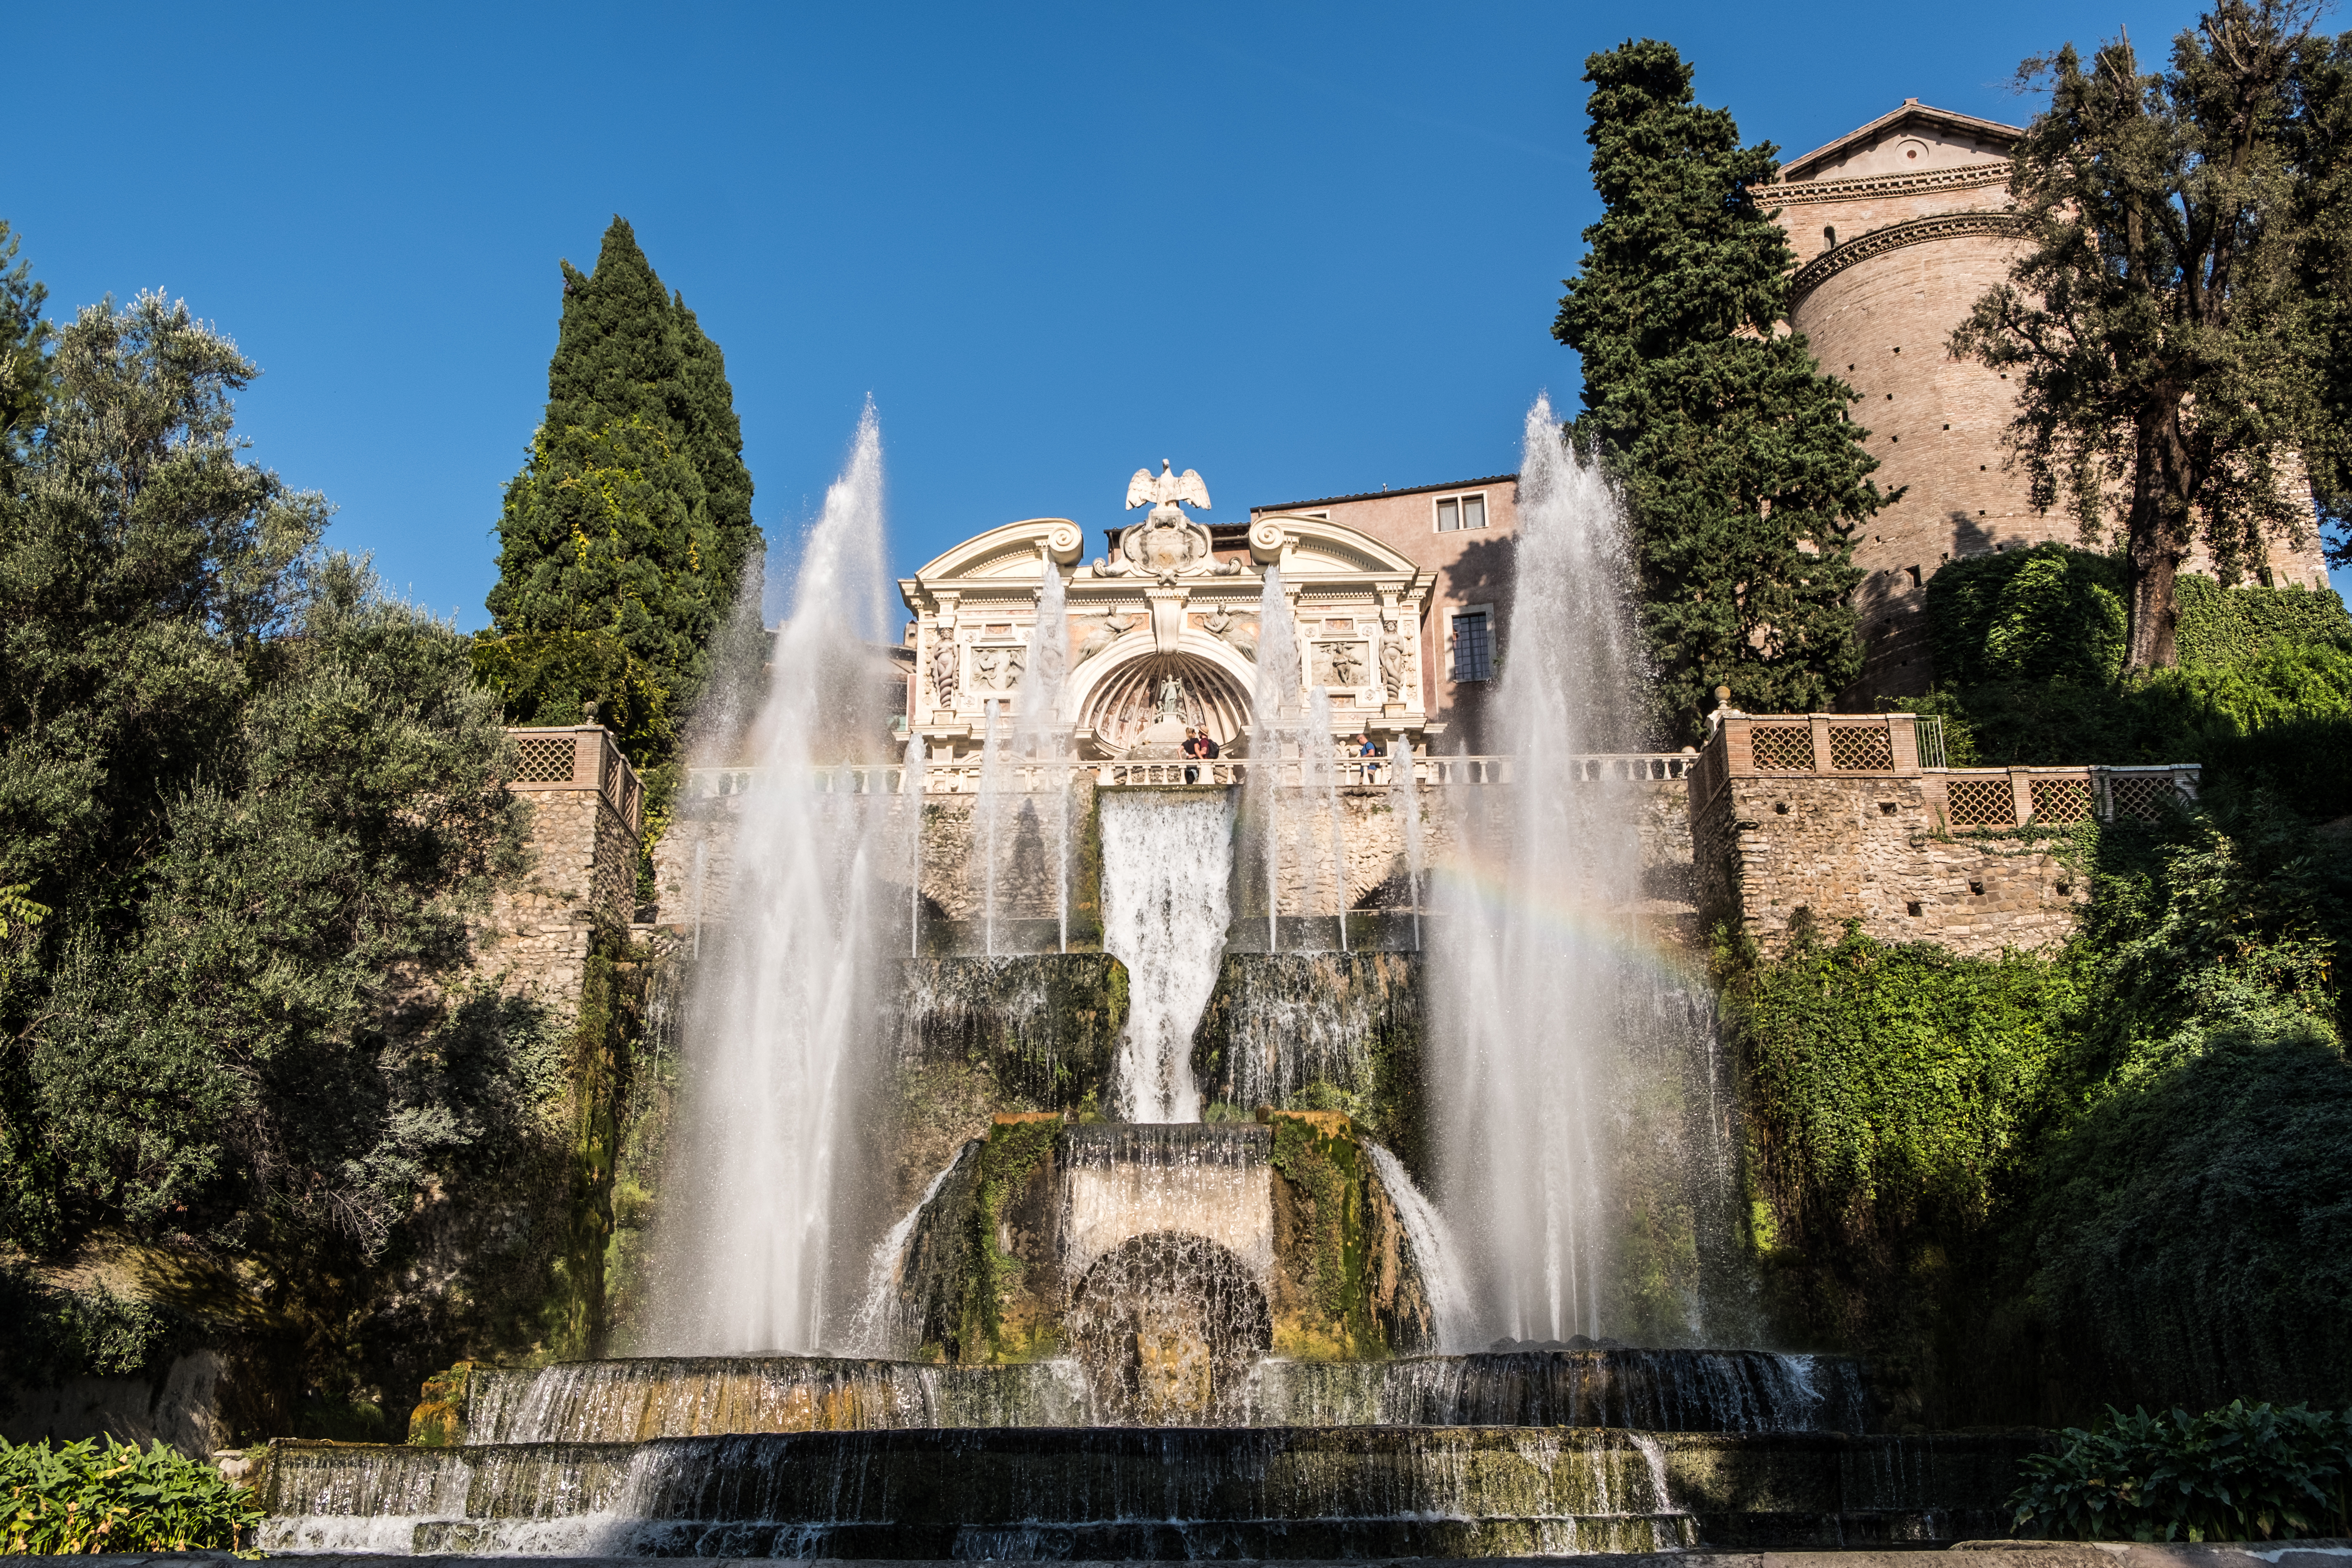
[1038,734]
[1276,689]
[1433,1250]
[1583,1158]
[782,1036]
[876,1330]
[1165,863]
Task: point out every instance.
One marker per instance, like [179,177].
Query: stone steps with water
[630,1401]
[1128,1492]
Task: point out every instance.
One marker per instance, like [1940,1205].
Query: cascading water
[1166,859]
[783,1032]
[1433,1250]
[1583,1160]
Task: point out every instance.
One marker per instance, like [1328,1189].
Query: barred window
[1474,645]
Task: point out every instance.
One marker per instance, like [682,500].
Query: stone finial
[588,713]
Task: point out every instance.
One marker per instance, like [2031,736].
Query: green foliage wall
[2028,658]
[2033,1185]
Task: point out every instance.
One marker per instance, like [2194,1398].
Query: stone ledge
[2313,1553]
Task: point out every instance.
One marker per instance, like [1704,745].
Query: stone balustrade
[1349,770]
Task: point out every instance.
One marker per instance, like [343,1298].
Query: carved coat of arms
[1166,544]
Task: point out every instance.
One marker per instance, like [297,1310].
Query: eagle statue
[1147,488]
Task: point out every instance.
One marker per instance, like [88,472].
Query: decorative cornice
[1895,236]
[1968,177]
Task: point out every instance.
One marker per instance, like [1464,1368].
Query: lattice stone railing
[584,757]
[1906,745]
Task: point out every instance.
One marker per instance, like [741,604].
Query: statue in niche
[1392,669]
[1239,632]
[1171,697]
[1106,631]
[943,673]
[1166,544]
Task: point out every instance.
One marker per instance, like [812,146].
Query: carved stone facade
[1176,599]
[1899,227]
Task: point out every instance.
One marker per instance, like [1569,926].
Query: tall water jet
[1165,863]
[1316,743]
[993,782]
[1040,739]
[1581,1158]
[1404,800]
[783,1034]
[914,782]
[1276,688]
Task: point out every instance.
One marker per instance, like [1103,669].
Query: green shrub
[48,1334]
[79,1497]
[2241,1473]
[2188,1229]
[2040,615]
[1888,1082]
[2226,625]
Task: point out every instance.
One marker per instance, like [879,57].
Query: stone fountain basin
[1112,1492]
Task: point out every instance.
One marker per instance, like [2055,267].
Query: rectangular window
[1456,512]
[1474,645]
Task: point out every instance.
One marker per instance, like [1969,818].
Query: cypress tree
[628,533]
[1742,475]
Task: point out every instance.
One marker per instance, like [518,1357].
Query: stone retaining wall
[1372,839]
[1775,855]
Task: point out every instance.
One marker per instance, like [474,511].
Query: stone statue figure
[943,673]
[1103,633]
[997,668]
[1392,669]
[1171,697]
[1239,632]
[1347,665]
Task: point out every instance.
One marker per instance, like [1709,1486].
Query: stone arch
[1210,660]
[1118,707]
[1166,1325]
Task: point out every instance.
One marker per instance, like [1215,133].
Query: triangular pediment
[1918,138]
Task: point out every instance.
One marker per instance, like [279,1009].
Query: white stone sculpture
[1166,544]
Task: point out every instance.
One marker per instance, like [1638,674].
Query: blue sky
[1305,249]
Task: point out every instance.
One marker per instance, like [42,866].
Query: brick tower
[1899,227]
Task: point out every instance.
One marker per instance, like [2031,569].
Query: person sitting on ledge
[1191,749]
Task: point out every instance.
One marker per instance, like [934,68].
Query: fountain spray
[784,1035]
